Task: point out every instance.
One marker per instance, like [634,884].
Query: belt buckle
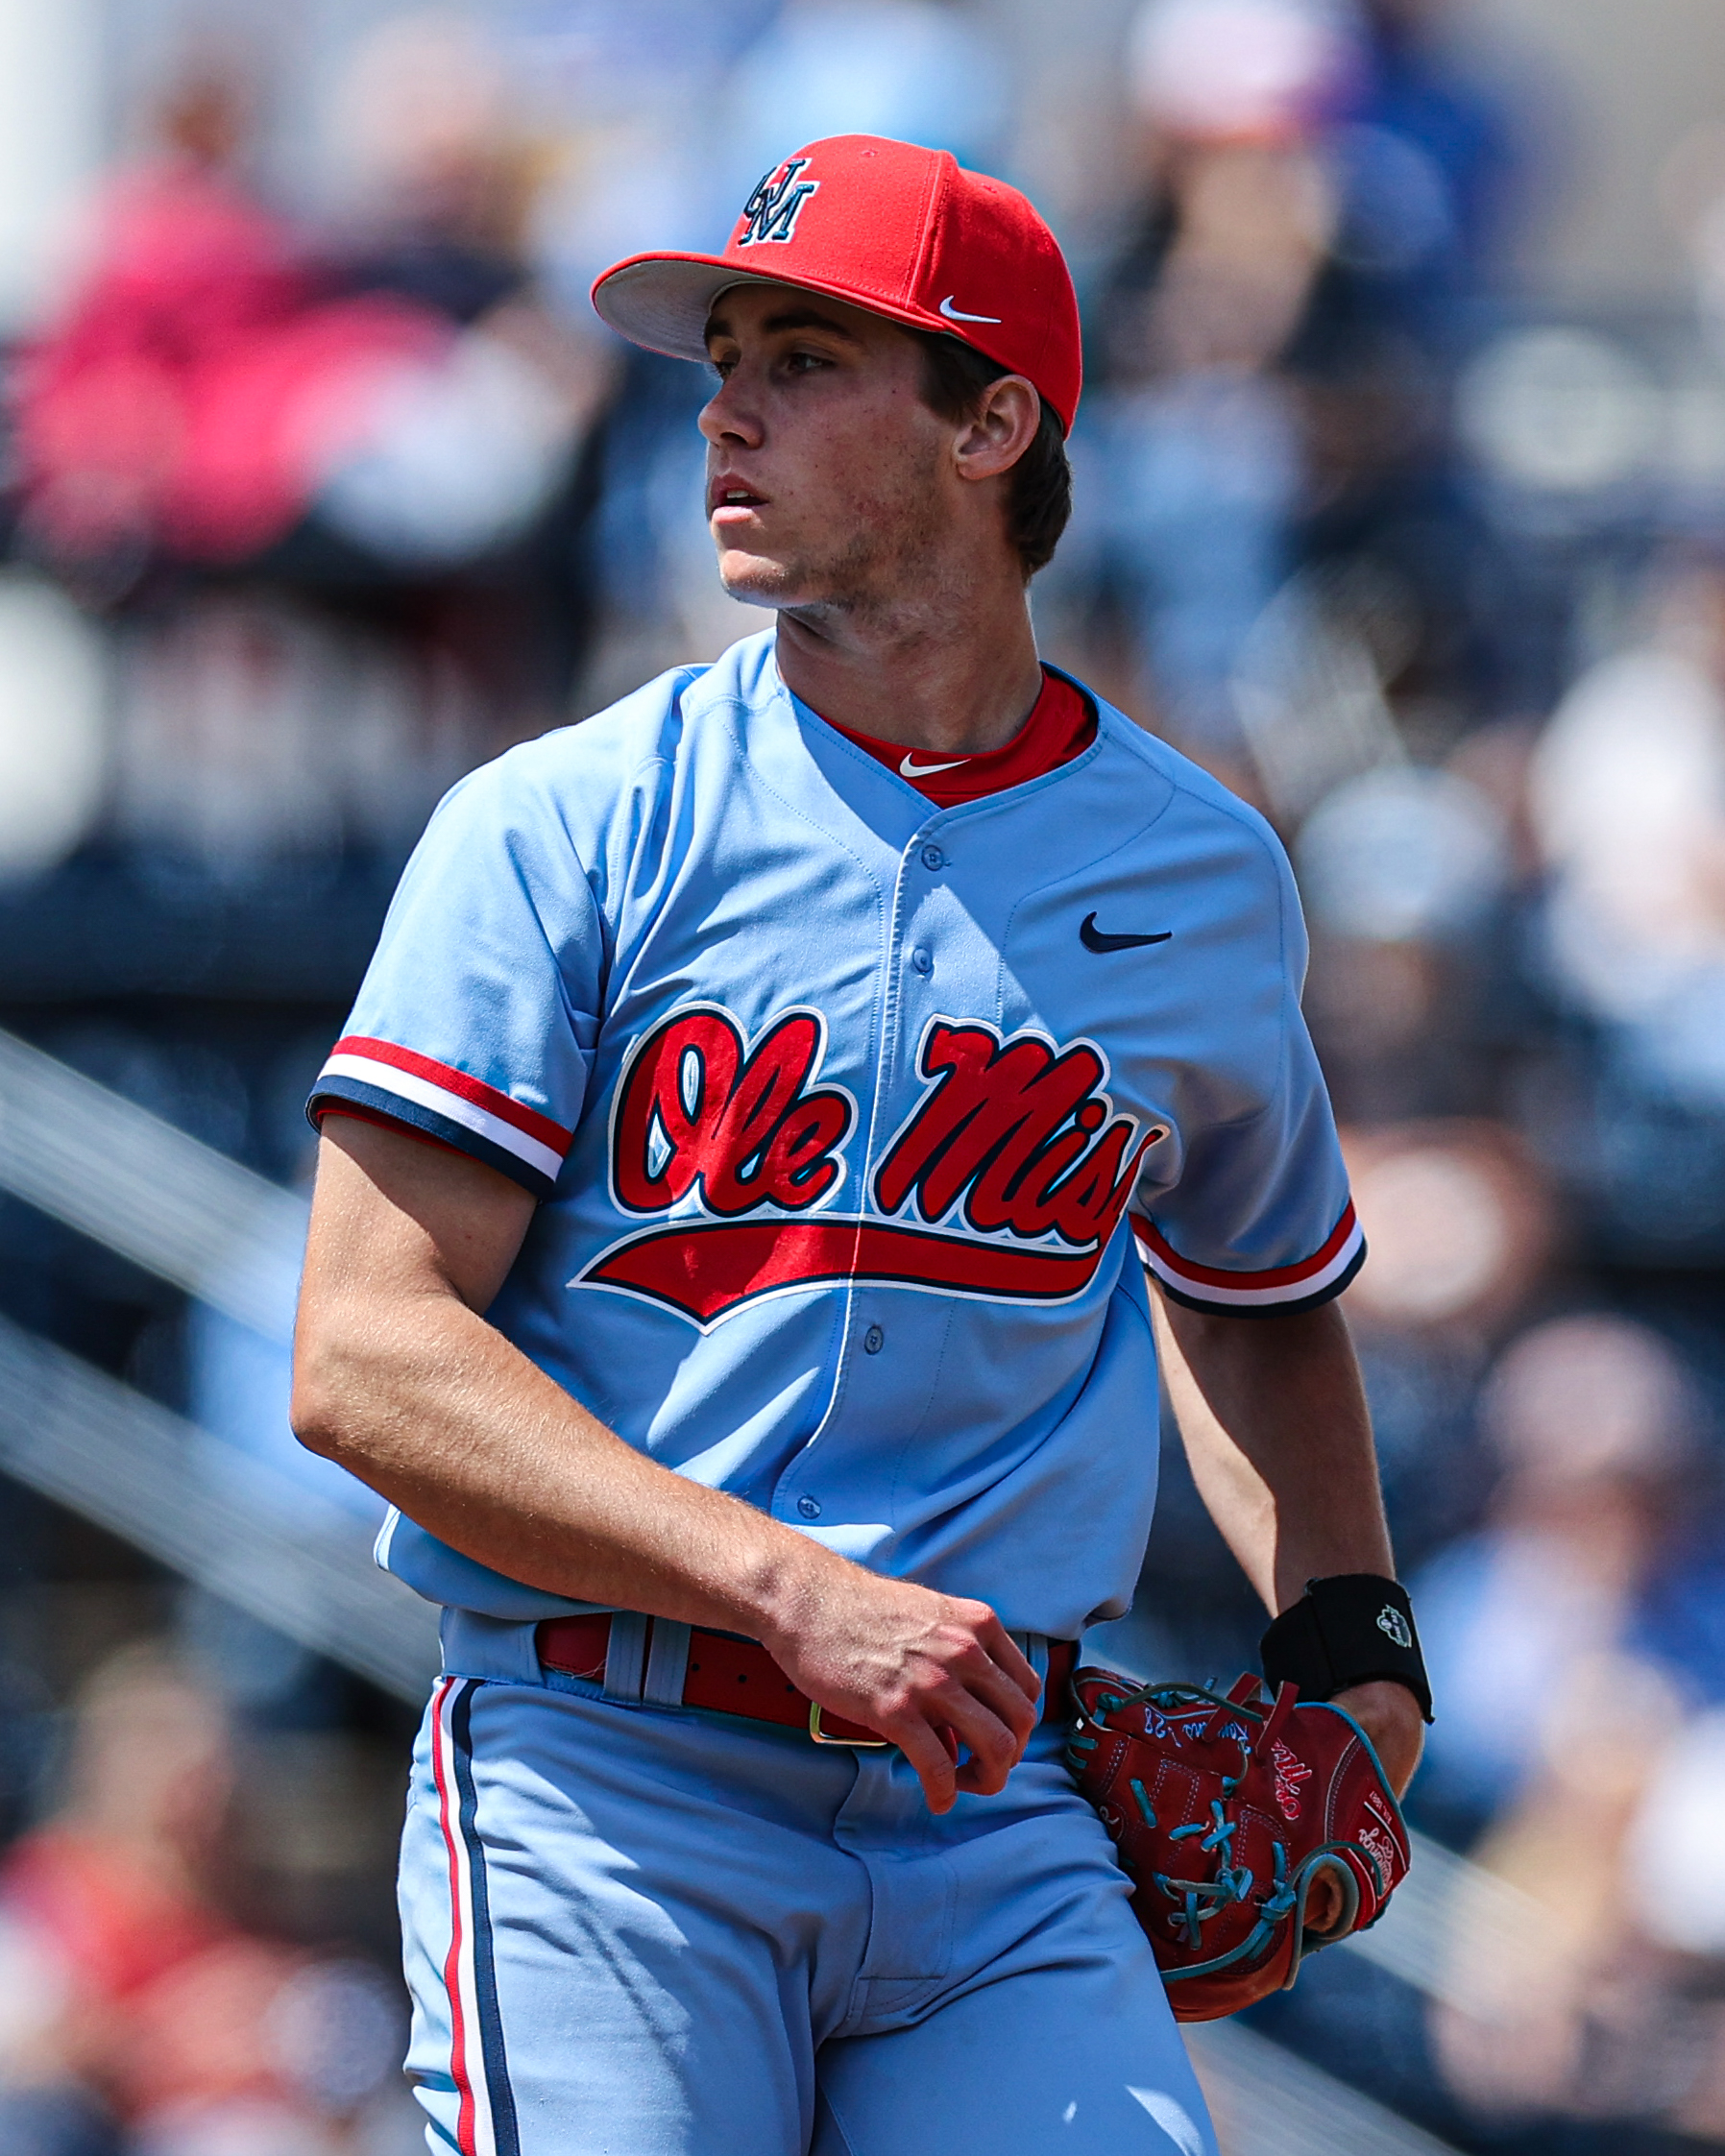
[855,1743]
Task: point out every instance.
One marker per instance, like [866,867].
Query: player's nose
[729,416]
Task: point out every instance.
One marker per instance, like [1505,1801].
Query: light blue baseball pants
[641,1930]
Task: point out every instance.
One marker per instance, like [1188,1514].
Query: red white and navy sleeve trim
[1278,1293]
[443,1102]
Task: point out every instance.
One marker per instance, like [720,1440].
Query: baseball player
[721,1259]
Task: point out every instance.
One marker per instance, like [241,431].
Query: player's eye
[804,362]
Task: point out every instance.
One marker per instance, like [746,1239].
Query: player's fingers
[990,1733]
[930,1759]
[1325,1902]
[999,1691]
[1007,1657]
[973,1782]
[1003,1698]
[994,1748]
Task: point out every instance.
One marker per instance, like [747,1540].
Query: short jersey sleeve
[1260,1222]
[476,1023]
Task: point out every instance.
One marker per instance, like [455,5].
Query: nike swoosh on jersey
[909,770]
[958,314]
[1094,938]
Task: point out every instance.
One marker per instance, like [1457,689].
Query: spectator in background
[1592,1990]
[1628,804]
[331,491]
[1458,1230]
[182,402]
[388,432]
[1421,161]
[1324,184]
[1194,448]
[443,178]
[137,2018]
[914,69]
[1594,1423]
[1572,1637]
[1428,163]
[1554,2007]
[437,169]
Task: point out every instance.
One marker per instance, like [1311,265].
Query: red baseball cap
[888,226]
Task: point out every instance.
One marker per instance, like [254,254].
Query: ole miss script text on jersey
[1006,1180]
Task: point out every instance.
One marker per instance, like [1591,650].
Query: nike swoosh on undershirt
[909,769]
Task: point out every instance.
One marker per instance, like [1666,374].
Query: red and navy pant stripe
[485,2118]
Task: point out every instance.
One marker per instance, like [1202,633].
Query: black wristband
[1354,1629]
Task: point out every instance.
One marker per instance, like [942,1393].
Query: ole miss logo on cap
[771,211]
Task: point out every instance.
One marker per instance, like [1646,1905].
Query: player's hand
[1390,1717]
[934,1674]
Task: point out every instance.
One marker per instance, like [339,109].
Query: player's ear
[997,429]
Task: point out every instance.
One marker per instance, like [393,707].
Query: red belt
[732,1676]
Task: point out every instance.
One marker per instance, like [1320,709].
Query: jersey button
[873,1340]
[808,1506]
[932,857]
[922,961]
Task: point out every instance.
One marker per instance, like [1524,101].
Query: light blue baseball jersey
[838,1104]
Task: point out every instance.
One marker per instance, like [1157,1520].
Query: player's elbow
[314,1410]
[326,1409]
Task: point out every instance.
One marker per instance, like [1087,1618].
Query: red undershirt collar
[1062,725]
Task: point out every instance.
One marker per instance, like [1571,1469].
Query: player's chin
[756,579]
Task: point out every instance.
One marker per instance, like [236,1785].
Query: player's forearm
[421,1399]
[432,1406]
[1273,1419]
[398,1376]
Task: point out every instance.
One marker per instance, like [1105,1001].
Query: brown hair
[1040,495]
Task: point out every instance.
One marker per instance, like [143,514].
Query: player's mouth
[729,499]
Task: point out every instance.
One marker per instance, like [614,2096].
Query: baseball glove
[1226,1811]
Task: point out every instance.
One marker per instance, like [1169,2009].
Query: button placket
[923,857]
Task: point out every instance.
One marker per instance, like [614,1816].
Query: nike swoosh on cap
[958,314]
[909,769]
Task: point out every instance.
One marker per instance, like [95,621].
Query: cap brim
[663,302]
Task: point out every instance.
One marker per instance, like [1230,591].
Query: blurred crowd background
[1400,505]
